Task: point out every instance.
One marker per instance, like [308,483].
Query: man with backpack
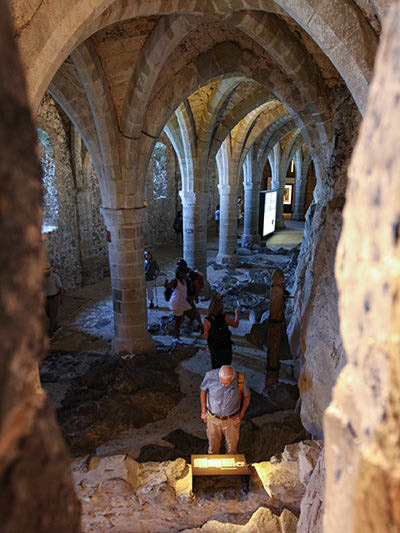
[217,333]
[193,283]
[224,397]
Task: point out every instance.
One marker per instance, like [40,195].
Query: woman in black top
[217,334]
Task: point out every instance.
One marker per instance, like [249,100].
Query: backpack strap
[240,383]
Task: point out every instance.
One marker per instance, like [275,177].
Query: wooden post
[276,318]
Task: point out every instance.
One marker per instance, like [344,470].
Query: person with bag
[217,333]
[192,278]
[151,271]
[178,300]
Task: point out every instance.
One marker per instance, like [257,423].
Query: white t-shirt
[53,284]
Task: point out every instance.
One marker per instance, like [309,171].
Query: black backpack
[168,292]
[219,336]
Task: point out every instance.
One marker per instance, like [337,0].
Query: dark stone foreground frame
[36,492]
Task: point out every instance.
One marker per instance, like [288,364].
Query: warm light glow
[292,166]
[263,470]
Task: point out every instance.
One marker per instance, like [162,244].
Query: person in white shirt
[54,296]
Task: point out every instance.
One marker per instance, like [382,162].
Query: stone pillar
[362,424]
[275,325]
[195,207]
[301,181]
[127,279]
[36,490]
[278,183]
[251,202]
[228,225]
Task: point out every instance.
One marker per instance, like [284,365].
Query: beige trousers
[216,428]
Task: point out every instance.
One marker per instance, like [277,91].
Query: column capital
[190,198]
[225,189]
[122,217]
[249,185]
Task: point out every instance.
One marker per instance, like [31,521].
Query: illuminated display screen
[267,212]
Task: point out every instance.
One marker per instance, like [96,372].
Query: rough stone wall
[160,212]
[362,425]
[36,493]
[312,504]
[310,186]
[92,231]
[62,244]
[314,329]
[77,248]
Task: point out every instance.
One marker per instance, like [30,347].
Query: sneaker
[151,305]
[178,340]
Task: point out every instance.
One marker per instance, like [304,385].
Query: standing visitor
[178,228]
[217,333]
[224,397]
[239,210]
[54,297]
[151,272]
[193,292]
[217,220]
[178,301]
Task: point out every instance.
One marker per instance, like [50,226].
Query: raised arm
[230,321]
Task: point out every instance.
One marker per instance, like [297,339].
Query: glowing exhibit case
[267,213]
[219,465]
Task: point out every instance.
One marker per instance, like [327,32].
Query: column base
[136,346]
[248,239]
[225,259]
[301,218]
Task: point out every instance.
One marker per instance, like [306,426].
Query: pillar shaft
[251,202]
[127,279]
[195,207]
[228,225]
[301,179]
[251,207]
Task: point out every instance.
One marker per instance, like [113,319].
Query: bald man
[222,407]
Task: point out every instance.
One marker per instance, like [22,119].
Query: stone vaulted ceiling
[132,64]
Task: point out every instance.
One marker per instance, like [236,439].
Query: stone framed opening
[49,181]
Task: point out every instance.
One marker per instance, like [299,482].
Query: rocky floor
[146,408]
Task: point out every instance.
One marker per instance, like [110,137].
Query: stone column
[127,279]
[275,325]
[195,206]
[362,423]
[36,490]
[228,225]
[251,202]
[300,193]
